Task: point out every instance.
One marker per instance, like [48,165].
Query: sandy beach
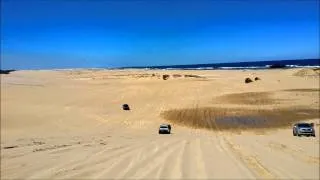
[67,124]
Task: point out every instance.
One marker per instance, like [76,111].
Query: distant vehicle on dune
[125,107]
[165,129]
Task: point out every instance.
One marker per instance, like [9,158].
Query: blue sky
[38,34]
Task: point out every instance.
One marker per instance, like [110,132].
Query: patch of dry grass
[302,90]
[248,98]
[165,76]
[261,98]
[192,76]
[176,75]
[238,119]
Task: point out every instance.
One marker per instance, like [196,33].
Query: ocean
[237,65]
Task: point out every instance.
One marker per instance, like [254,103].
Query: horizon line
[162,66]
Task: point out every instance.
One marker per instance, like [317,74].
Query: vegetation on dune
[302,90]
[165,76]
[177,75]
[192,76]
[226,118]
[249,98]
[261,98]
[243,118]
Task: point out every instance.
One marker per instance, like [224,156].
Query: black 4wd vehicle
[125,107]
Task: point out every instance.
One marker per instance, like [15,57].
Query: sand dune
[69,124]
[307,72]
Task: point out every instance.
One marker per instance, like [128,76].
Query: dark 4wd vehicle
[125,107]
[300,129]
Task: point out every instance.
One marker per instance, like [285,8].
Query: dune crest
[308,72]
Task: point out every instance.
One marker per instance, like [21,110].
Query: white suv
[303,129]
[165,129]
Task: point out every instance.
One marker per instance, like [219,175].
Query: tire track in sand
[294,153]
[79,163]
[140,165]
[175,168]
[157,165]
[253,164]
[91,166]
[234,157]
[224,146]
[125,162]
[279,170]
[193,163]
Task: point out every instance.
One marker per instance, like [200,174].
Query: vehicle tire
[299,135]
[313,135]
